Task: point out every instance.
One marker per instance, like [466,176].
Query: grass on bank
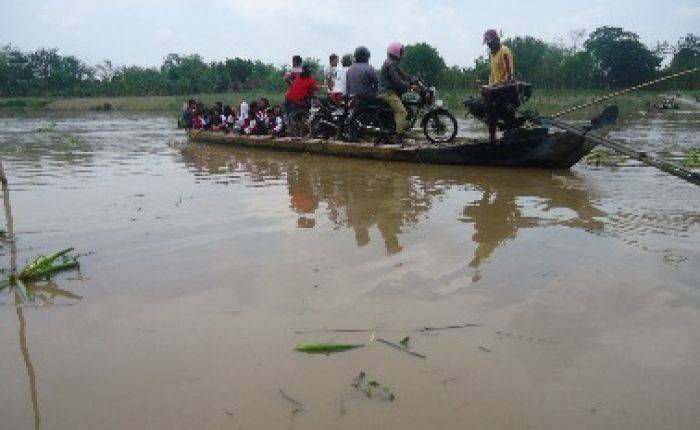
[547,102]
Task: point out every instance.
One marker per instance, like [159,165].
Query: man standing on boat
[501,69]
[501,63]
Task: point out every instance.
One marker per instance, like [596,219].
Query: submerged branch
[414,330]
[400,348]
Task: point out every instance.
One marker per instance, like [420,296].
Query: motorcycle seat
[372,103]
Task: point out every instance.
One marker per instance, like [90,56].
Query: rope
[626,90]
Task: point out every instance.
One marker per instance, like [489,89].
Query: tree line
[610,57]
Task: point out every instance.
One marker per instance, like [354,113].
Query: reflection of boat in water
[549,150]
[392,197]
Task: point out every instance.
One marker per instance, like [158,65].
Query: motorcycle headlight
[439,103]
[410,97]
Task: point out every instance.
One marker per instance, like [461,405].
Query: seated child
[204,119]
[249,124]
[262,121]
[276,122]
[230,114]
[196,120]
[215,118]
[242,113]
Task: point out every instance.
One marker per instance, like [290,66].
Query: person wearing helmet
[393,82]
[501,62]
[361,78]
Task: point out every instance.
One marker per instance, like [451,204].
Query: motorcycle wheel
[297,122]
[319,130]
[440,127]
[356,128]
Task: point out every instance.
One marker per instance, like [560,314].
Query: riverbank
[547,102]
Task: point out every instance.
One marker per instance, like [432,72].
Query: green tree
[423,60]
[576,71]
[619,58]
[687,56]
[184,74]
[16,77]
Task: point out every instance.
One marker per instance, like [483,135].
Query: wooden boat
[554,150]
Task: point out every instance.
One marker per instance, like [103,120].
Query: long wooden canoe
[558,150]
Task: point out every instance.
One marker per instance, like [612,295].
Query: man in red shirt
[292,74]
[303,87]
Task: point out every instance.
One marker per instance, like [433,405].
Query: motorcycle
[328,120]
[374,119]
[502,105]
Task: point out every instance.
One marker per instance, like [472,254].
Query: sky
[143,32]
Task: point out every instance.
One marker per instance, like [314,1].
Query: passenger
[361,78]
[222,116]
[294,72]
[187,114]
[204,119]
[253,108]
[276,121]
[243,112]
[393,82]
[230,118]
[263,103]
[196,120]
[261,121]
[249,124]
[501,68]
[501,64]
[340,87]
[303,87]
[215,119]
[331,74]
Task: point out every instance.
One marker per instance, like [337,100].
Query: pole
[626,90]
[670,168]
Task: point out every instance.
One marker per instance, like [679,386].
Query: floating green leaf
[325,348]
[43,266]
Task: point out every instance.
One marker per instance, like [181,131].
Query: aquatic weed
[372,388]
[602,157]
[41,269]
[692,158]
[72,141]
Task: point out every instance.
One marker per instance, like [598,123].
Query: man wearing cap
[501,68]
[501,62]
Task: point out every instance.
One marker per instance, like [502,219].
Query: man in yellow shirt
[501,62]
[501,67]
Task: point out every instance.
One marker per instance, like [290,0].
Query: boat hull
[555,150]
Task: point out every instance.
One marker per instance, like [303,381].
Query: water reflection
[363,195]
[10,240]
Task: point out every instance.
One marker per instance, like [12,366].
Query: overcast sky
[142,32]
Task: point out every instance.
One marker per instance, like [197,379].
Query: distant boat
[553,150]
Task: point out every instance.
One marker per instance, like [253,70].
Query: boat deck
[555,150]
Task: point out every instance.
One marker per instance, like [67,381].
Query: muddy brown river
[200,265]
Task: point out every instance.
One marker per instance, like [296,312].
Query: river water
[199,263]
